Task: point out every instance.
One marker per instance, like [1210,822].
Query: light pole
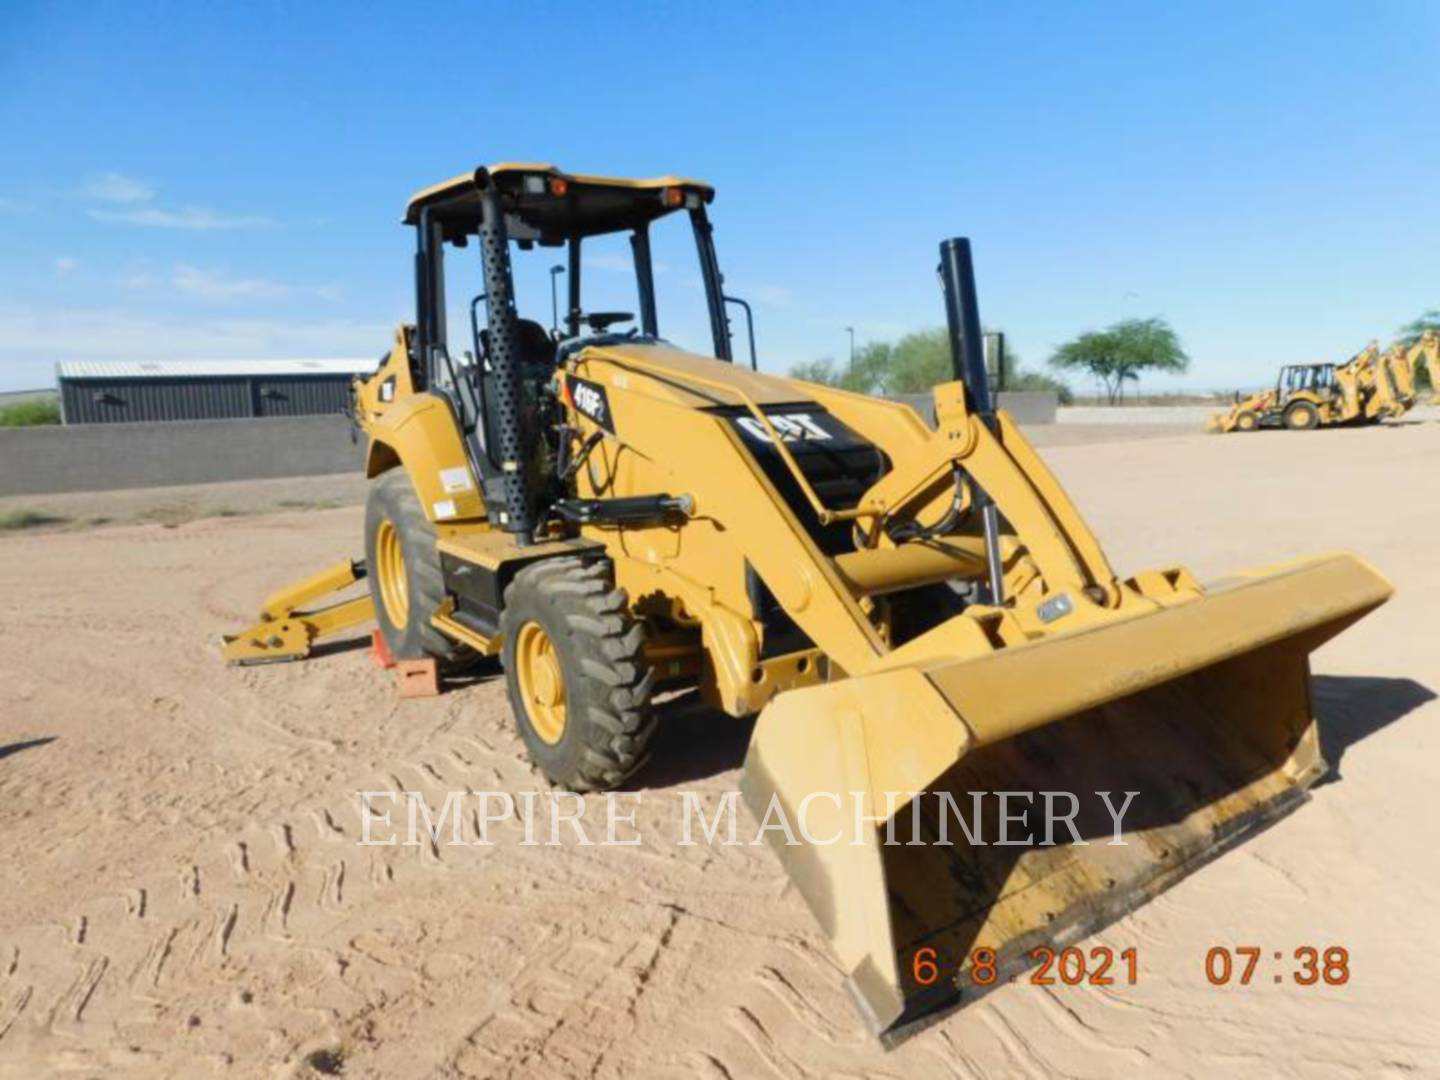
[554,303]
[851,331]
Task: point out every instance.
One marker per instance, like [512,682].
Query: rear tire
[403,569]
[1247,421]
[576,672]
[1302,416]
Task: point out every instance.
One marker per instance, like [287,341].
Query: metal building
[111,392]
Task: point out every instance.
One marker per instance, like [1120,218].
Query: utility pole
[554,302]
[851,331]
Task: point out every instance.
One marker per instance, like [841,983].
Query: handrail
[749,326]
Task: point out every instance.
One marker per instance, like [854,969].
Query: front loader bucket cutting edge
[1203,709]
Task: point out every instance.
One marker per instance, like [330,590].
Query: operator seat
[537,348]
[537,363]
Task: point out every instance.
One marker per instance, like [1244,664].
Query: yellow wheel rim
[390,574]
[542,686]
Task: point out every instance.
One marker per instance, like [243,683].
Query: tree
[1038,380]
[913,365]
[820,371]
[860,378]
[1119,353]
[30,413]
[1412,331]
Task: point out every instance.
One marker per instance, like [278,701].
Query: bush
[1036,380]
[33,413]
[913,365]
[21,518]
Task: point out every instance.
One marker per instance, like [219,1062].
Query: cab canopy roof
[547,205]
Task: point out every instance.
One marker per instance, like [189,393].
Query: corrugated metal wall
[121,401]
[300,396]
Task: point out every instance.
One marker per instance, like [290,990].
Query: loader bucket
[1202,709]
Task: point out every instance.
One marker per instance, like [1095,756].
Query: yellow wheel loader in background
[917,613]
[1305,396]
[1308,396]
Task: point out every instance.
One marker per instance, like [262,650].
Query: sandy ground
[175,505]
[183,893]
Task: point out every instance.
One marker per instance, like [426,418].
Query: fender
[418,433]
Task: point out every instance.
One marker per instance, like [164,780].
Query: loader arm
[1386,399]
[1428,350]
[1402,362]
[816,592]
[1355,383]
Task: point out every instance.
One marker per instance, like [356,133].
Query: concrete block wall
[1026,406]
[102,457]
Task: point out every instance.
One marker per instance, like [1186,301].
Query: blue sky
[194,181]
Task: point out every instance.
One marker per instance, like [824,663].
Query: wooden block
[417,678]
[379,651]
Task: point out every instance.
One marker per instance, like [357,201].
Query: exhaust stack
[967,358]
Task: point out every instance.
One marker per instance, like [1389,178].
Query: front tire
[1302,416]
[1247,421]
[403,568]
[576,672]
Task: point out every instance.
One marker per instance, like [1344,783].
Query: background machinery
[1305,396]
[1404,363]
[1362,390]
[917,612]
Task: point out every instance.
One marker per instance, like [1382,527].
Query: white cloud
[213,286]
[14,206]
[129,194]
[112,187]
[772,295]
[64,264]
[188,217]
[138,275]
[32,339]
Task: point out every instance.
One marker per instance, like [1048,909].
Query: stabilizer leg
[285,632]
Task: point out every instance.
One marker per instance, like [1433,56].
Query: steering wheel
[599,321]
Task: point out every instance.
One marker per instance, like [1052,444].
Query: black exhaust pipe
[507,420]
[962,312]
[967,359]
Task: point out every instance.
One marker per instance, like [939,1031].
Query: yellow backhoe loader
[1304,397]
[1308,396]
[918,613]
